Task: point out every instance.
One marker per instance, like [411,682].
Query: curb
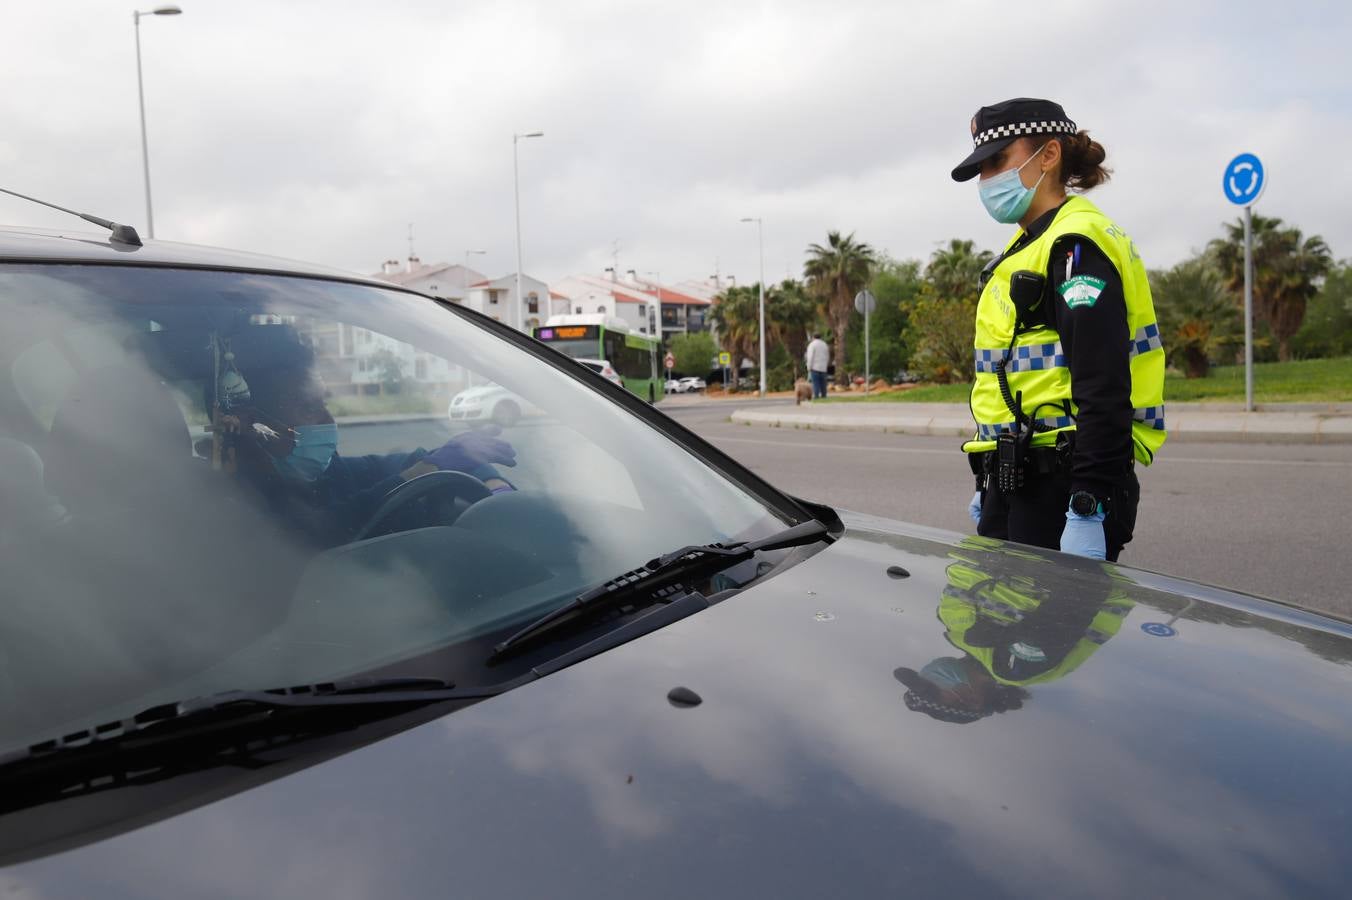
[1285,427]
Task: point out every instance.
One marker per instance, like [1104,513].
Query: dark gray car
[276,625]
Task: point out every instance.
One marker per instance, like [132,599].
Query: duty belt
[1042,460]
[1038,460]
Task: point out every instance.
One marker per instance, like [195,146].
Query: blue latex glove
[471,450]
[1083,535]
[974,508]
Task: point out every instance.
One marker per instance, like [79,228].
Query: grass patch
[1299,381]
[925,393]
[1304,380]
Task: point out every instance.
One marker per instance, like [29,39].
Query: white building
[497,299]
[460,284]
[635,301]
[449,280]
[592,295]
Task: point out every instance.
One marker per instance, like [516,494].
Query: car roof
[22,244]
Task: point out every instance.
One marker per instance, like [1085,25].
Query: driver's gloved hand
[472,450]
[492,480]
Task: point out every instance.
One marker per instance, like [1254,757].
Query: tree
[1287,270]
[835,273]
[954,271]
[389,369]
[895,285]
[790,316]
[694,353]
[1197,317]
[735,316]
[1327,330]
[942,323]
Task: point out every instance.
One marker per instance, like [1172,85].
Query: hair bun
[1082,162]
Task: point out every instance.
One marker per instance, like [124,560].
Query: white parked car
[604,369]
[692,383]
[486,403]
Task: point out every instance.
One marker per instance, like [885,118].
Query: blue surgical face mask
[1004,195]
[313,451]
[945,672]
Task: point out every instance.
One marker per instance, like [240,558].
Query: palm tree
[954,272]
[1197,317]
[734,317]
[1287,269]
[790,313]
[835,273]
[1308,262]
[942,315]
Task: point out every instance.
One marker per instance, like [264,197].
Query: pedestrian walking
[1069,389]
[818,359]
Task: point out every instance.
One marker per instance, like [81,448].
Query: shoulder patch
[1082,290]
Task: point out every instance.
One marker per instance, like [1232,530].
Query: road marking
[1210,461]
[1308,463]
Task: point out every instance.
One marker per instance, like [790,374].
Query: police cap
[996,127]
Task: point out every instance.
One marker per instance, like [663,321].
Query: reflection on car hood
[1138,736]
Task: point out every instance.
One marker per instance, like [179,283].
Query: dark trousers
[818,384]
[1036,513]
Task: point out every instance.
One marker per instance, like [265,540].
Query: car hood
[1188,741]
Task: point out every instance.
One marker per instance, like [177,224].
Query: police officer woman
[1069,386]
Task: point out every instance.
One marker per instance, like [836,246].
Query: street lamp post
[516,193]
[657,331]
[141,97]
[464,274]
[760,241]
[657,318]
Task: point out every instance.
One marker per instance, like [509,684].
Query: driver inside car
[287,443]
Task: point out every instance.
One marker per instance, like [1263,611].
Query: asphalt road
[1268,519]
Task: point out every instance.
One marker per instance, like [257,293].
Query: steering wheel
[434,484]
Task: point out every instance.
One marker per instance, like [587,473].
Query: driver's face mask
[314,449]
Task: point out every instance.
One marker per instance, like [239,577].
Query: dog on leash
[802,390]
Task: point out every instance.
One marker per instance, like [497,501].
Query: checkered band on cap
[1063,126]
[916,703]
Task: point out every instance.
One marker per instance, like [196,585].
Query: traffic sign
[1158,629]
[725,359]
[669,362]
[1244,179]
[865,302]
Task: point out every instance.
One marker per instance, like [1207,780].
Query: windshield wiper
[237,728]
[661,577]
[158,722]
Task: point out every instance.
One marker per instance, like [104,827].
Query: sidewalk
[1290,423]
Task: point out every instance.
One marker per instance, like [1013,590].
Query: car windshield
[216,480]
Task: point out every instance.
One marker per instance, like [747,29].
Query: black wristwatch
[1083,503]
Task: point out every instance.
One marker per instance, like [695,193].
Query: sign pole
[1248,309]
[868,381]
[863,302]
[1243,183]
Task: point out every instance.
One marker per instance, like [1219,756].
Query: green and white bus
[600,341]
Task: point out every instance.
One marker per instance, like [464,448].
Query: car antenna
[123,234]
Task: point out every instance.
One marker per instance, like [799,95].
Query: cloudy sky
[319,129]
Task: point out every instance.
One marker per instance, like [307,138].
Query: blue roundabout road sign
[1244,179]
